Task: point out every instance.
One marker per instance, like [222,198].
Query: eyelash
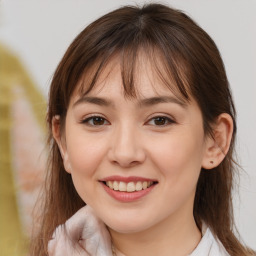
[167,120]
[91,118]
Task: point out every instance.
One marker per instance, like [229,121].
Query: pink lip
[126,179]
[127,196]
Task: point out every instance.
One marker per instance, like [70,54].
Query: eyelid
[86,119]
[170,120]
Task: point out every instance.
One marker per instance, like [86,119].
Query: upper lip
[126,179]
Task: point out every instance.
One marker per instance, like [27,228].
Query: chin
[128,226]
[125,229]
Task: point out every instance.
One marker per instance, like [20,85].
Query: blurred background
[34,35]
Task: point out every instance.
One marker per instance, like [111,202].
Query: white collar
[209,245]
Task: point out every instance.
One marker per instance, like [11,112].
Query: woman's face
[136,162]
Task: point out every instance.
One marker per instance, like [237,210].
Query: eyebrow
[94,100]
[142,103]
[161,99]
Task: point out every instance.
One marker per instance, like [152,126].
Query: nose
[126,149]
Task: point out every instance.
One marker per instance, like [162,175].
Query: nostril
[125,155]
[125,163]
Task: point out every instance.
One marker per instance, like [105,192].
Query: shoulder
[209,245]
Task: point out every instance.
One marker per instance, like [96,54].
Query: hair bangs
[172,72]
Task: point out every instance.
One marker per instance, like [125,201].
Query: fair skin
[155,137]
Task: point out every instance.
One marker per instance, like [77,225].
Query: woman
[142,130]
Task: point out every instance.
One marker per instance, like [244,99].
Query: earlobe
[61,145]
[218,145]
[66,163]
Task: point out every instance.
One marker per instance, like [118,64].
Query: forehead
[145,79]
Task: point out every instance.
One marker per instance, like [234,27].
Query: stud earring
[211,162]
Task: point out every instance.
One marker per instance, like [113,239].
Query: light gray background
[39,31]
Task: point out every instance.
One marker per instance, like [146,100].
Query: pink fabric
[83,234]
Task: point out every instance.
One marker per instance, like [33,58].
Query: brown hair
[189,58]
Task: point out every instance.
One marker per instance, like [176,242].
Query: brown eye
[95,121]
[160,121]
[98,121]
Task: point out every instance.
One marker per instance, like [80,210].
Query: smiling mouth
[129,186]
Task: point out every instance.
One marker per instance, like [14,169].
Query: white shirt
[209,245]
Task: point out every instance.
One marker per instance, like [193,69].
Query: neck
[176,236]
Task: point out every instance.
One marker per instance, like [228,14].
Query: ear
[61,144]
[218,145]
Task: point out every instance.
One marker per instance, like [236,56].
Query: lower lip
[128,196]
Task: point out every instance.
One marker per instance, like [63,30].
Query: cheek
[85,152]
[85,157]
[179,156]
[178,159]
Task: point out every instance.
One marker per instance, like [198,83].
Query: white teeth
[115,185]
[130,186]
[139,186]
[110,184]
[122,186]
